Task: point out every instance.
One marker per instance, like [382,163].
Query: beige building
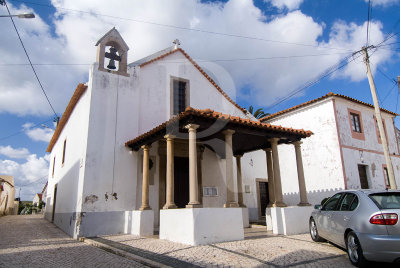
[7,192]
[37,199]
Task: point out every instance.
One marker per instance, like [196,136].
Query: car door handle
[346,218]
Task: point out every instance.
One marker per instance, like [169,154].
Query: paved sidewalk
[31,241]
[259,249]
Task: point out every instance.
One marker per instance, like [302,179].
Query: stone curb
[122,253]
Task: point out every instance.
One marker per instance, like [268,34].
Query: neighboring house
[398,136]
[140,140]
[345,151]
[37,199]
[44,193]
[7,192]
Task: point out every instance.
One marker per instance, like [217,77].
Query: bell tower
[117,53]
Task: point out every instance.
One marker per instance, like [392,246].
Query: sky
[272,50]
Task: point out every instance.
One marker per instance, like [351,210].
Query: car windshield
[386,200]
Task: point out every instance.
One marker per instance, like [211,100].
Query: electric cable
[216,60]
[310,83]
[369,11]
[183,28]
[30,62]
[23,131]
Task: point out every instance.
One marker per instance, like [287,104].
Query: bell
[112,55]
[111,65]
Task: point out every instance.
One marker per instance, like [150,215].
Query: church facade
[158,145]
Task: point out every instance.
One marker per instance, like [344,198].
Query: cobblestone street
[31,241]
[259,249]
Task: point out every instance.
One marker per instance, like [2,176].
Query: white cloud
[384,3]
[289,4]
[38,134]
[14,153]
[77,34]
[352,35]
[31,175]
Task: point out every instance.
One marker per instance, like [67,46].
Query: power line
[397,101]
[184,28]
[26,53]
[33,182]
[22,131]
[216,60]
[390,79]
[387,95]
[310,83]
[369,13]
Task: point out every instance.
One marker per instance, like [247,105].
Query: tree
[259,113]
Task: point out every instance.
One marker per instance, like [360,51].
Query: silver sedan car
[364,222]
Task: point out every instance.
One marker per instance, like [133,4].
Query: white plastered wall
[254,166]
[154,81]
[367,152]
[321,153]
[110,165]
[69,176]
[114,110]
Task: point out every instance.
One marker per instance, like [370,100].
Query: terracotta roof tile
[200,70]
[330,94]
[207,113]
[80,89]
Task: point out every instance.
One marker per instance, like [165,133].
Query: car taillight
[384,219]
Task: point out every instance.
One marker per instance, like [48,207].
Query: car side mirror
[317,206]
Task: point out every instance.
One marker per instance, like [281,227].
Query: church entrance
[181,185]
[263,197]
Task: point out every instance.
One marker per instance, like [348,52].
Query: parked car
[364,222]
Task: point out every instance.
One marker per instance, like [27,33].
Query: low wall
[289,220]
[200,226]
[90,224]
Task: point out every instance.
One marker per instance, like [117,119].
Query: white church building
[157,145]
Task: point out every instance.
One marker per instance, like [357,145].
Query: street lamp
[21,16]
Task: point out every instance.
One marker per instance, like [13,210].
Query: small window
[386,176]
[54,162]
[332,202]
[349,202]
[355,123]
[378,134]
[210,191]
[63,155]
[179,96]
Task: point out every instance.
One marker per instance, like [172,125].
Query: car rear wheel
[314,232]
[354,250]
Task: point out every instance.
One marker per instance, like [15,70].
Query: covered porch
[228,137]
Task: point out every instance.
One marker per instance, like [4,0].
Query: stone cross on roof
[177,43]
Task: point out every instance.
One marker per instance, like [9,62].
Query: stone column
[230,191]
[271,186]
[277,174]
[170,172]
[145,184]
[300,175]
[239,180]
[193,183]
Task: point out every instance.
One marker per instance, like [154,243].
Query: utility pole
[378,116]
[398,81]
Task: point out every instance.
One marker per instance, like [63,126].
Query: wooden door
[362,171]
[263,197]
[181,181]
[54,203]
